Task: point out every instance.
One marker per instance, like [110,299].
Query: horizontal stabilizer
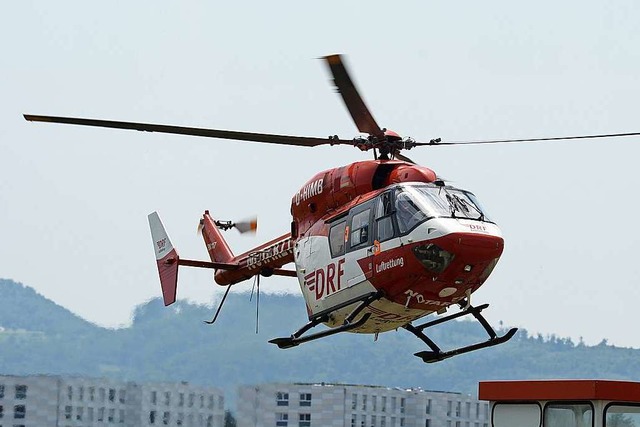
[166,257]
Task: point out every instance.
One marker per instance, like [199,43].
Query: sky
[74,201]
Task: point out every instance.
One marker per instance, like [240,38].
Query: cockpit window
[417,203]
[439,201]
[408,213]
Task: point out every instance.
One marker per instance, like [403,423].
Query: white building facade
[64,401]
[339,405]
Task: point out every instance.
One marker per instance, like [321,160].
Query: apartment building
[342,405]
[67,401]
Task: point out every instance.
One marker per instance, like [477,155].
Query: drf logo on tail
[325,281]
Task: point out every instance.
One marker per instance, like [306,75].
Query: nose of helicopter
[461,260]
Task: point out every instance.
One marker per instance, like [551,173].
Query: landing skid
[436,354]
[297,337]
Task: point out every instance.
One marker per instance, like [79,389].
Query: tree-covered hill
[173,343]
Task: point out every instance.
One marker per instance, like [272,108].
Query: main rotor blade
[356,106]
[403,158]
[180,130]
[507,141]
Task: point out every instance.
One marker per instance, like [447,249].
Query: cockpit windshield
[418,202]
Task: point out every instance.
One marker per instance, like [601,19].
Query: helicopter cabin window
[408,213]
[337,238]
[384,222]
[359,231]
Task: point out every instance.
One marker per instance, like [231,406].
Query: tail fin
[217,247]
[166,257]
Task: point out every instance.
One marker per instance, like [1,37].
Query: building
[341,405]
[67,401]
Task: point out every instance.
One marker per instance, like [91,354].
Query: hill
[166,344]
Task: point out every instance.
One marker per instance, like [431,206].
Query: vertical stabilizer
[166,258]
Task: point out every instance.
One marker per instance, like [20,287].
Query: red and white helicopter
[376,244]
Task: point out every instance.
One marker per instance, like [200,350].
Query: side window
[337,238]
[359,231]
[407,213]
[384,223]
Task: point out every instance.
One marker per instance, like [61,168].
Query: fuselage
[422,244]
[380,227]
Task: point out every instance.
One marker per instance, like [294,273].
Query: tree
[229,419]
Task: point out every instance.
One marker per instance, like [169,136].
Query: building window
[154,397]
[353,420]
[192,398]
[112,415]
[121,416]
[166,418]
[79,413]
[1,411]
[210,421]
[363,421]
[90,413]
[81,394]
[122,394]
[364,402]
[69,393]
[1,391]
[373,419]
[383,421]
[19,411]
[383,404]
[374,403]
[458,408]
[112,395]
[100,414]
[467,412]
[449,407]
[282,419]
[152,417]
[201,401]
[427,423]
[181,399]
[305,399]
[428,408]
[211,402]
[393,421]
[101,394]
[282,399]
[67,412]
[221,402]
[393,405]
[305,420]
[354,401]
[92,393]
[401,421]
[21,392]
[180,419]
[402,404]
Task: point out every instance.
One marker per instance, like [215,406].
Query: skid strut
[297,337]
[436,354]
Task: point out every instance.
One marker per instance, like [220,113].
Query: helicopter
[376,245]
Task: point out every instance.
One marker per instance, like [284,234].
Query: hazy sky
[74,201]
